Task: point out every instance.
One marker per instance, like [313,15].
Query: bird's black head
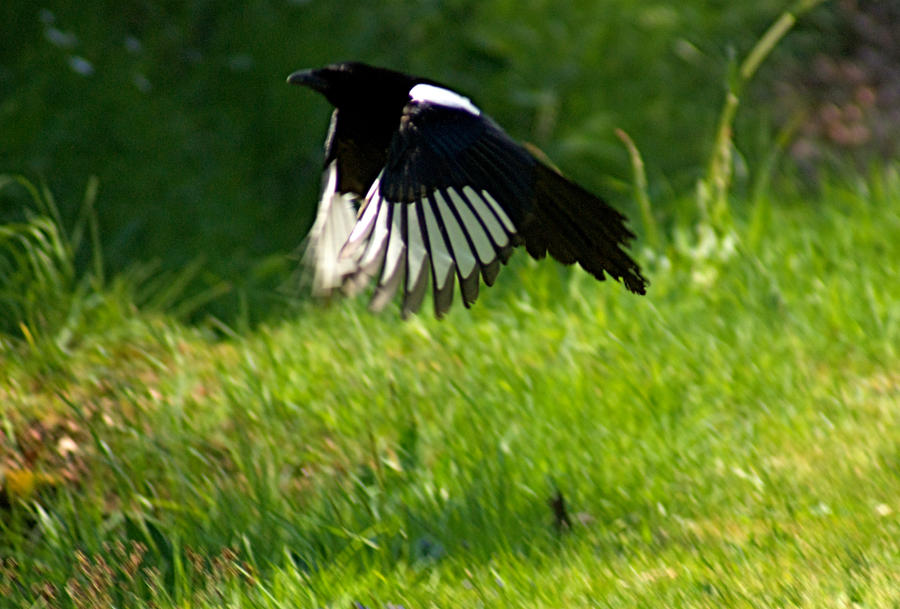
[353,84]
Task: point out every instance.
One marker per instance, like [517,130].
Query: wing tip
[574,225]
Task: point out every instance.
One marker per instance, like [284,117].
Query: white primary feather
[480,240]
[483,211]
[334,221]
[465,259]
[499,211]
[441,260]
[377,240]
[395,248]
[416,244]
[365,223]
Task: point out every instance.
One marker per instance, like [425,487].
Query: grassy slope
[729,440]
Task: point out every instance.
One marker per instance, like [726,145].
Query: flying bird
[420,184]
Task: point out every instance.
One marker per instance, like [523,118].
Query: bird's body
[420,184]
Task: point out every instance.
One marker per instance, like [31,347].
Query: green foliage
[42,299]
[48,304]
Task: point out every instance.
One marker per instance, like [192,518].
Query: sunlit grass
[728,440]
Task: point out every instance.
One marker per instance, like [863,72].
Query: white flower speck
[80,65]
[59,38]
[142,83]
[133,45]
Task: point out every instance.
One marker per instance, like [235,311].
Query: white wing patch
[487,213]
[396,248]
[442,97]
[459,248]
[334,221]
[442,261]
[499,211]
[448,233]
[377,241]
[479,238]
[416,245]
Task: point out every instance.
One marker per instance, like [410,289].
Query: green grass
[728,440]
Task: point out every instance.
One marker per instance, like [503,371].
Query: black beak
[308,78]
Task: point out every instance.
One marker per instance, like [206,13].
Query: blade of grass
[640,190]
[713,190]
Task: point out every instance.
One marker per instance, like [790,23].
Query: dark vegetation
[841,91]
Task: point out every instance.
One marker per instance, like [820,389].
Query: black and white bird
[420,184]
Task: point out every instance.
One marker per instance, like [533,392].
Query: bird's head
[354,84]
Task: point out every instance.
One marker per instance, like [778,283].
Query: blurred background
[207,160]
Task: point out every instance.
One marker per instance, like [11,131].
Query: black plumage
[420,185]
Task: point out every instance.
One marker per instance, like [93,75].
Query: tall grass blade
[761,199]
[87,220]
[713,190]
[640,189]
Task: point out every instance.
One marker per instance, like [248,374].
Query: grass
[729,440]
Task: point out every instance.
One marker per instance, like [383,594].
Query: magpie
[419,184]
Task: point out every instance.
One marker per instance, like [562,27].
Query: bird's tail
[574,225]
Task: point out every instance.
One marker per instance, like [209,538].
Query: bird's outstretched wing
[456,195]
